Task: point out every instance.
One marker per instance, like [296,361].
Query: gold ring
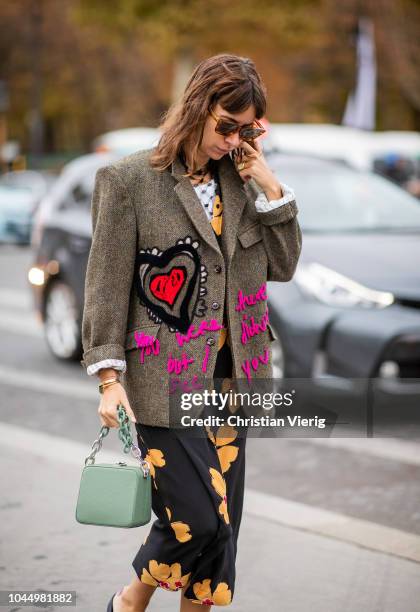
[241,166]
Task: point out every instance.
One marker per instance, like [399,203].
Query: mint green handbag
[115,494]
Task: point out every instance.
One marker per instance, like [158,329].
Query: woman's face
[215,145]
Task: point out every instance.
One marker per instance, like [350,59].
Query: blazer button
[215,305]
[218,268]
[210,341]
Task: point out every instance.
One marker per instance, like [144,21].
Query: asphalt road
[357,502]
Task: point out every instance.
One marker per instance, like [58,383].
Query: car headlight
[334,289]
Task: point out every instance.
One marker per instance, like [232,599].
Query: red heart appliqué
[166,287]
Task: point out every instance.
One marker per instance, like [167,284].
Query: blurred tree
[397,40]
[89,84]
[399,46]
[183,31]
[107,65]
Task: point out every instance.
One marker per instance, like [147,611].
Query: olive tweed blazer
[157,279]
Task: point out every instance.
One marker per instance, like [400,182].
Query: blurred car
[402,147]
[127,140]
[324,140]
[61,240]
[20,194]
[352,309]
[393,154]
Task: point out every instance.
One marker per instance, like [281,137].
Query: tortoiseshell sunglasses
[226,127]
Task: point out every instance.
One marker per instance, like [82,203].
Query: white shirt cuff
[116,364]
[262,204]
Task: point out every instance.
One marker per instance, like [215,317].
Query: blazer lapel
[192,205]
[234,197]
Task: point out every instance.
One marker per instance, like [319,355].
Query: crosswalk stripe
[25,325]
[36,381]
[16,298]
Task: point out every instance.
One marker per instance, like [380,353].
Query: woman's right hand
[112,396]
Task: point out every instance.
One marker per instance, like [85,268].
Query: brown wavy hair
[229,80]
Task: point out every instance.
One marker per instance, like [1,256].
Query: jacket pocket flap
[147,330]
[251,235]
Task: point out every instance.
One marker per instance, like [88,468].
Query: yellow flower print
[223,337]
[217,219]
[210,434]
[222,441]
[182,530]
[166,576]
[227,385]
[221,596]
[155,458]
[219,485]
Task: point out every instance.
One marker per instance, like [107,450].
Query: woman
[185,237]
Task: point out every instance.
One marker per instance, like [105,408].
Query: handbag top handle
[124,434]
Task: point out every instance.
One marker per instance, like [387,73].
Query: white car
[126,141]
[358,148]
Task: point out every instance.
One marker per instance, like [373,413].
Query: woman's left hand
[256,167]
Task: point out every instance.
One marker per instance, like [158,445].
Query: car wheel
[62,322]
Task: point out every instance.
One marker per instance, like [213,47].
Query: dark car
[350,317]
[352,308]
[61,239]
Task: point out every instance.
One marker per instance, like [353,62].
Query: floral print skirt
[197,495]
